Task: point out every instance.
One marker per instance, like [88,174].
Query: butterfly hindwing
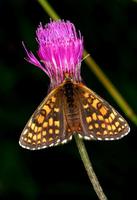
[99,120]
[46,127]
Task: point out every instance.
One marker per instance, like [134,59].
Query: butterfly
[72,108]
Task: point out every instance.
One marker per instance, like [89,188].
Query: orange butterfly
[72,108]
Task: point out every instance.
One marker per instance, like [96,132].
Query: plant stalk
[88,166]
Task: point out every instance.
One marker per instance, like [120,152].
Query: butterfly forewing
[46,127]
[99,120]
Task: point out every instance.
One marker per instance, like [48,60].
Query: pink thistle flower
[60,51]
[71,107]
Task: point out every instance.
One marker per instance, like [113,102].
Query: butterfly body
[72,108]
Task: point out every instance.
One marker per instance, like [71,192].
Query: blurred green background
[110,35]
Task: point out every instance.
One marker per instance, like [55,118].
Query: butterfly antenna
[85,57]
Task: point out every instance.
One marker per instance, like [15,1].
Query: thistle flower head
[60,51]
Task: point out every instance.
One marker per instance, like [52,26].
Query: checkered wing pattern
[47,125]
[99,120]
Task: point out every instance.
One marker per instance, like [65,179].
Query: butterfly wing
[99,120]
[46,126]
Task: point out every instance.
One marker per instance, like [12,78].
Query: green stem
[46,6]
[88,166]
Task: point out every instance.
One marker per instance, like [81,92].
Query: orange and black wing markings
[46,127]
[72,109]
[99,120]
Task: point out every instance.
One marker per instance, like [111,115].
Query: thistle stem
[88,166]
[47,7]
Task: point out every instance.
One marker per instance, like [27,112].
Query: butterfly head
[68,77]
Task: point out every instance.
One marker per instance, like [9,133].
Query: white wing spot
[64,141]
[92,136]
[99,138]
[107,139]
[51,145]
[24,133]
[70,137]
[87,138]
[58,141]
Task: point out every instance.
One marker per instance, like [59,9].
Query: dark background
[110,35]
